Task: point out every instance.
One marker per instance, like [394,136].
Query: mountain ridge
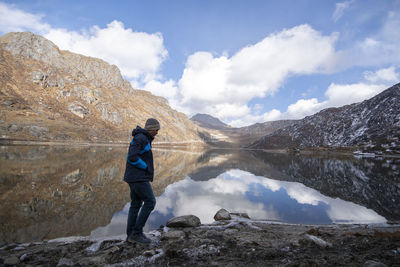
[373,125]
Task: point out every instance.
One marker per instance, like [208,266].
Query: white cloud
[339,95]
[223,85]
[340,9]
[166,89]
[138,54]
[303,107]
[13,19]
[383,75]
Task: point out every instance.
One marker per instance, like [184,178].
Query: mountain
[54,95]
[372,125]
[223,135]
[247,135]
[209,122]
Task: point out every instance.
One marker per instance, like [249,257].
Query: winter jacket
[139,163]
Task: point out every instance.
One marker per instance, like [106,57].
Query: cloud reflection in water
[241,191]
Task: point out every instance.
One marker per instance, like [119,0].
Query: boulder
[222,214]
[184,221]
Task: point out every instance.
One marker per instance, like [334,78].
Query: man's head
[152,126]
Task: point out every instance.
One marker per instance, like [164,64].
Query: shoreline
[235,242]
[197,145]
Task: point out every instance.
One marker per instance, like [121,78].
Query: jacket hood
[140,130]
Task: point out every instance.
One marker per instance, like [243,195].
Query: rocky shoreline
[232,240]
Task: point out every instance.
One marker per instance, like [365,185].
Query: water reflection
[48,192]
[260,197]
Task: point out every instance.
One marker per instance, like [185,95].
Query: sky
[240,61]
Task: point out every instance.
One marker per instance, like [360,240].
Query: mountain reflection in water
[50,192]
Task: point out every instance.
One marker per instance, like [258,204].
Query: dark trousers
[142,198]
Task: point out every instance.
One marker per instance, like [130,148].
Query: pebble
[149,253]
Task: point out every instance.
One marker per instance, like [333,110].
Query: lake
[57,191]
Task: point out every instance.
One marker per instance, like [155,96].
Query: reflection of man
[139,173]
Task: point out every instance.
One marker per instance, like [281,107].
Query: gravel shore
[236,242]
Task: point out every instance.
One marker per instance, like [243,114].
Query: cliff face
[373,125]
[50,94]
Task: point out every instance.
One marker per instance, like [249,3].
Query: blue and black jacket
[139,163]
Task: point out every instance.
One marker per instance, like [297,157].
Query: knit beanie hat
[152,124]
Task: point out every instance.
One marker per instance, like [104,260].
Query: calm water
[49,192]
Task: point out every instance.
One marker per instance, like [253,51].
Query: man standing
[139,173]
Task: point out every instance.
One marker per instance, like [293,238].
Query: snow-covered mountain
[373,125]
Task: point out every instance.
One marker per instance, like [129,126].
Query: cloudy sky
[241,61]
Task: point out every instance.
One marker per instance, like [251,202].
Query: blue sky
[241,61]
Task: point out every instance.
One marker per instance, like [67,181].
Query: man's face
[153,132]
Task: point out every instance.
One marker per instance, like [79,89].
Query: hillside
[54,95]
[208,121]
[223,135]
[372,125]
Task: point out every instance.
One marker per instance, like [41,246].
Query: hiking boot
[139,238]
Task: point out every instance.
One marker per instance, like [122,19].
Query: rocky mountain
[221,134]
[208,121]
[372,126]
[247,135]
[54,95]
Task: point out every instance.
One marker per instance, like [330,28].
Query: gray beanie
[152,124]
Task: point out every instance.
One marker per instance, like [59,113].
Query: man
[139,173]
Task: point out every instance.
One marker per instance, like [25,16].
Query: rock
[13,128]
[372,263]
[38,131]
[78,109]
[174,235]
[23,257]
[13,260]
[108,113]
[222,214]
[149,253]
[65,262]
[318,241]
[184,221]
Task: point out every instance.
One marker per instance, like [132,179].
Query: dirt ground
[236,242]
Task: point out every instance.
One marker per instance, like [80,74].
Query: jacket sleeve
[137,145]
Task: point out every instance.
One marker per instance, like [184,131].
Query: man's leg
[136,203]
[146,194]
